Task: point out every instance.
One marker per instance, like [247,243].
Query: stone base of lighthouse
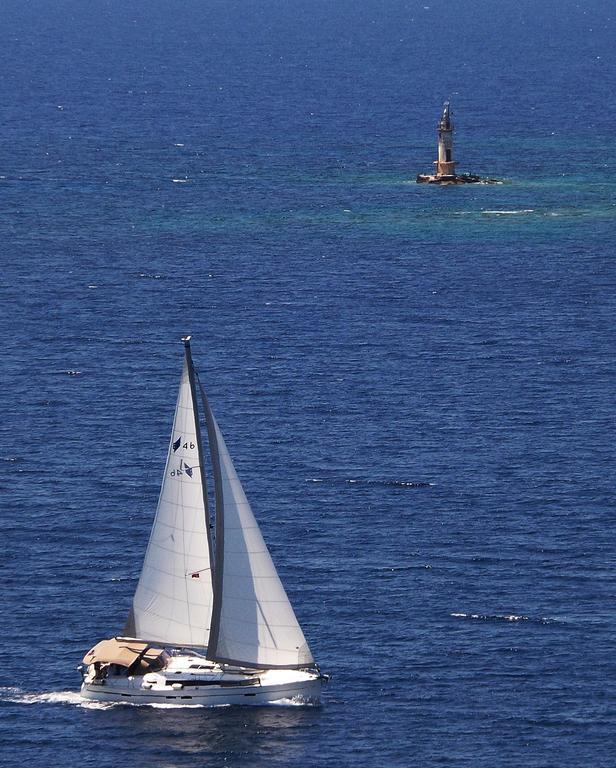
[453,178]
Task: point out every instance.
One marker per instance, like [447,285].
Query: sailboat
[210,622]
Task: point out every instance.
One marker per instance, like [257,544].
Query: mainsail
[253,623]
[173,601]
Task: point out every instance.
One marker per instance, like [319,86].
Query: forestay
[173,601]
[253,624]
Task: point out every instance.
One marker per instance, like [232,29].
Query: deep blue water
[417,384]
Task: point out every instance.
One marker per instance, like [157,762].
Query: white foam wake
[17,696]
[295,701]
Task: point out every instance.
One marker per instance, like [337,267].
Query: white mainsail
[253,623]
[173,601]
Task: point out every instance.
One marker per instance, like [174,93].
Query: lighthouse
[445,165]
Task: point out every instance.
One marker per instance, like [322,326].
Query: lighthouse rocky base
[455,178]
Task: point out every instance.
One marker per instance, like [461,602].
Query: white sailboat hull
[308,692]
[216,686]
[198,592]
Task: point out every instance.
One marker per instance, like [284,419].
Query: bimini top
[122,651]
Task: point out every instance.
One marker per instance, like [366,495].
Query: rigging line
[202,570]
[218,562]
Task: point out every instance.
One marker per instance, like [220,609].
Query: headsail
[173,601]
[253,623]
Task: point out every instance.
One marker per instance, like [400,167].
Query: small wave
[402,483]
[380,483]
[402,568]
[149,275]
[180,181]
[509,213]
[66,372]
[511,617]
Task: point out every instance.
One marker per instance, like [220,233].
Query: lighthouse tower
[445,165]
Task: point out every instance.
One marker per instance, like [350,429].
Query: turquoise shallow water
[416,383]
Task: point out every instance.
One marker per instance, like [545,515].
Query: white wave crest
[509,213]
[486,617]
[503,617]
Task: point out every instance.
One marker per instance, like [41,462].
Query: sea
[417,383]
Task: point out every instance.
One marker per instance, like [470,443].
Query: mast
[193,393]
[445,165]
[220,528]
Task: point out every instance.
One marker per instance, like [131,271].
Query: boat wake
[17,696]
[511,617]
